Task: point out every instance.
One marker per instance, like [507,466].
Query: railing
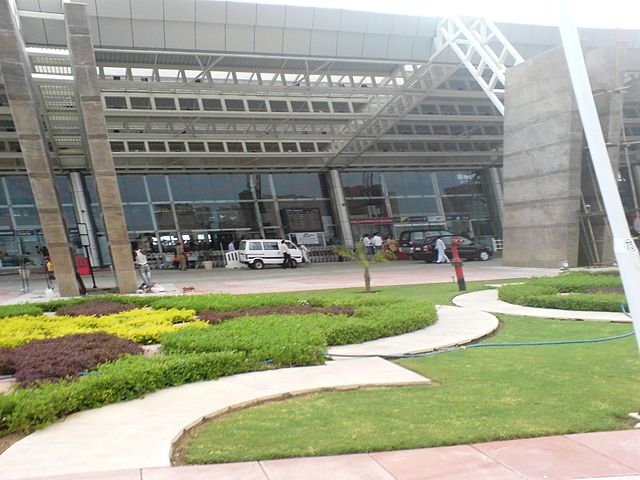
[497,245]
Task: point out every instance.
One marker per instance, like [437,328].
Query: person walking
[182,257]
[440,248]
[305,253]
[368,247]
[142,266]
[284,250]
[49,272]
[376,243]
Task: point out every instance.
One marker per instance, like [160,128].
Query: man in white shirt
[142,265]
[376,241]
[284,250]
[368,247]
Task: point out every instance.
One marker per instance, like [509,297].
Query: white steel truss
[483,49]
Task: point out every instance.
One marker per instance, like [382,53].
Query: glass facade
[390,202]
[21,237]
[208,210]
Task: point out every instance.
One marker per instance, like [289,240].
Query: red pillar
[457,263]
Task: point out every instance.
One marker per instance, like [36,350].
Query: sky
[583,13]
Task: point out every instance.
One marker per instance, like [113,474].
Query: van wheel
[258,265]
[293,263]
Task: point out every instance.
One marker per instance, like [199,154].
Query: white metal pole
[624,247]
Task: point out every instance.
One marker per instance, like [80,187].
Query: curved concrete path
[455,326]
[487,300]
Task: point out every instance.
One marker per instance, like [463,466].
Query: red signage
[371,221]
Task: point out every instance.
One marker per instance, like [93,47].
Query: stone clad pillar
[16,73]
[545,175]
[83,65]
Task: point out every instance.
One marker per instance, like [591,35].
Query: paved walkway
[132,440]
[487,300]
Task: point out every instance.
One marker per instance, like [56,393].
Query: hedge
[126,379]
[583,291]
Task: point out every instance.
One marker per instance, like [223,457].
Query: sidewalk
[132,440]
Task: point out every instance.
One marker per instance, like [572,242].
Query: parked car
[467,250]
[410,239]
[260,252]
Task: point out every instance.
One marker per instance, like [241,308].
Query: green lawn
[478,395]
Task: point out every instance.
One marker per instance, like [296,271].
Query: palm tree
[359,255]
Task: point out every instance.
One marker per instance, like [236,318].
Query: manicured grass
[479,394]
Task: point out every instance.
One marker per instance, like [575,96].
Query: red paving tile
[132,474]
[556,458]
[444,463]
[623,446]
[344,467]
[229,471]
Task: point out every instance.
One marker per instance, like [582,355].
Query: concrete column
[83,213]
[544,176]
[95,134]
[542,164]
[16,73]
[340,208]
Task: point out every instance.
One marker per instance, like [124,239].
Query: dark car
[409,240]
[467,250]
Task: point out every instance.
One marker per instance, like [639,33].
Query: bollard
[457,263]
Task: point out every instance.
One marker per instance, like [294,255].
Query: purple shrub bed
[7,365]
[98,308]
[56,358]
[214,317]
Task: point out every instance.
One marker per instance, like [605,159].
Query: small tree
[360,255]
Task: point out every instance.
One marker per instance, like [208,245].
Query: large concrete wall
[542,164]
[544,172]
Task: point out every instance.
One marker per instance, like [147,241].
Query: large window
[298,185]
[158,190]
[26,217]
[409,183]
[209,187]
[455,183]
[138,217]
[362,184]
[19,190]
[5,219]
[415,207]
[132,188]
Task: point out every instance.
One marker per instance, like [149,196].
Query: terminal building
[206,121]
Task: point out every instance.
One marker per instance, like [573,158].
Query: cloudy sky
[584,13]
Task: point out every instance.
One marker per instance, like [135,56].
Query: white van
[260,252]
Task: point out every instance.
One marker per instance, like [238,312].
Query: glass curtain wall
[390,202]
[208,211]
[21,237]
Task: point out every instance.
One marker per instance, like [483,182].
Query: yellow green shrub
[142,326]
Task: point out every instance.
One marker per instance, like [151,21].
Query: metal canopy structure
[414,93]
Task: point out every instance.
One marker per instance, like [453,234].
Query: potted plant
[207,259]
